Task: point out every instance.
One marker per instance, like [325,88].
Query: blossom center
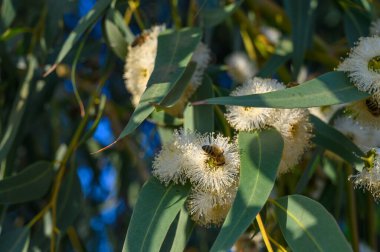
[374,64]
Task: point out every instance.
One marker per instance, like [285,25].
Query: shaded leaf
[300,13]
[8,13]
[305,223]
[10,33]
[214,16]
[164,119]
[281,55]
[195,116]
[356,24]
[18,110]
[259,159]
[332,139]
[16,240]
[174,52]
[69,201]
[328,89]
[155,210]
[30,184]
[84,23]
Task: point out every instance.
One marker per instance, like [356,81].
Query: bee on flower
[367,111]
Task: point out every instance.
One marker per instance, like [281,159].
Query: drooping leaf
[69,203]
[301,15]
[16,240]
[333,140]
[259,159]
[84,23]
[214,16]
[8,13]
[18,110]
[174,52]
[305,223]
[356,24]
[30,184]
[155,210]
[281,55]
[114,36]
[184,229]
[195,116]
[328,89]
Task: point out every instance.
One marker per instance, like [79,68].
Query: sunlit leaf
[174,52]
[328,89]
[259,159]
[155,210]
[30,184]
[115,39]
[305,223]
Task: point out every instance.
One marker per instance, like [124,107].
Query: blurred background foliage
[86,199]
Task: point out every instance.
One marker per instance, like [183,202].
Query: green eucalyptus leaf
[184,229]
[281,55]
[16,240]
[356,24]
[30,184]
[114,36]
[333,140]
[162,118]
[8,13]
[328,89]
[70,200]
[84,23]
[214,16]
[174,52]
[259,160]
[155,210]
[195,116]
[301,15]
[305,223]
[18,110]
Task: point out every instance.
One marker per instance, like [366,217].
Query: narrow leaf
[16,240]
[214,16]
[69,201]
[305,223]
[174,52]
[85,23]
[18,110]
[333,140]
[195,116]
[259,159]
[328,89]
[184,229]
[155,210]
[30,184]
[300,13]
[114,35]
[356,24]
[8,13]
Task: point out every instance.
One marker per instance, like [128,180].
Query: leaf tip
[105,148]
[50,70]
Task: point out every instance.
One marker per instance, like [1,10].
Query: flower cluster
[140,62]
[210,162]
[369,177]
[293,124]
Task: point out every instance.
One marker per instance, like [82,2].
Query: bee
[373,106]
[215,153]
[139,40]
